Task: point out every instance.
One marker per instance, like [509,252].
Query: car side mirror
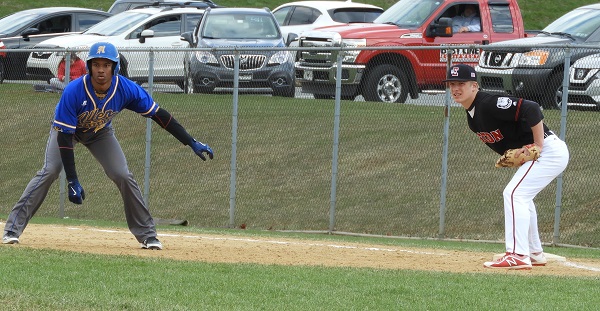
[146,34]
[187,36]
[28,32]
[291,37]
[441,28]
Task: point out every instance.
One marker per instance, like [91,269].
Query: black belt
[549,133]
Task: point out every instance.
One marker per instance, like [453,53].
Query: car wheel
[321,96]
[188,82]
[552,97]
[2,73]
[386,83]
[123,67]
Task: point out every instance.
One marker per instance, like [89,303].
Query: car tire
[552,96]
[321,96]
[123,66]
[386,83]
[188,82]
[2,72]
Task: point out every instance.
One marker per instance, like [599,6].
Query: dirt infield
[280,251]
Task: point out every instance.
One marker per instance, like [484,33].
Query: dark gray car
[24,29]
[239,27]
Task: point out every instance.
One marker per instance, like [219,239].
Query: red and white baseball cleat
[510,261]
[538,260]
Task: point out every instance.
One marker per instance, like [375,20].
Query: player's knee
[509,192]
[119,176]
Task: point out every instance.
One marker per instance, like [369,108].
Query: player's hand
[200,148]
[76,193]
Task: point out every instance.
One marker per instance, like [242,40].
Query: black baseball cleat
[12,238]
[152,243]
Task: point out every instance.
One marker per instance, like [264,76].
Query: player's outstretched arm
[166,121]
[67,155]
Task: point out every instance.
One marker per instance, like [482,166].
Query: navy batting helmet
[104,50]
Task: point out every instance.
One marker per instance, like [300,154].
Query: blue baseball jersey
[80,109]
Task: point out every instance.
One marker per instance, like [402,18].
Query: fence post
[336,141]
[234,124]
[562,134]
[148,132]
[444,187]
[62,177]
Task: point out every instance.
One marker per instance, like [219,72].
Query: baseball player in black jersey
[504,123]
[84,115]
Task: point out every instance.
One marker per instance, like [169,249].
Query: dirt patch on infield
[280,251]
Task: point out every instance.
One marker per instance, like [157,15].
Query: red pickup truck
[392,75]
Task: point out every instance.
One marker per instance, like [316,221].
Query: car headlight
[280,57]
[206,57]
[534,58]
[350,56]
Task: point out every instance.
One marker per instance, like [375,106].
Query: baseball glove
[509,158]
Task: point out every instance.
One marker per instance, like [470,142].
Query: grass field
[55,280]
[46,279]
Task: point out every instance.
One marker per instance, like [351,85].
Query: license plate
[308,75]
[245,77]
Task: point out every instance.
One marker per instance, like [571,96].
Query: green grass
[55,280]
[389,168]
[536,13]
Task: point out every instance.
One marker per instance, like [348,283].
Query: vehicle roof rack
[182,4]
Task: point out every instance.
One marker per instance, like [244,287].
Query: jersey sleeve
[65,113]
[139,100]
[515,109]
[530,112]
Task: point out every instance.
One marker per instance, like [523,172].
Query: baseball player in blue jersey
[504,123]
[83,115]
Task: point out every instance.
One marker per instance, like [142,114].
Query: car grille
[41,55]
[317,58]
[247,62]
[497,59]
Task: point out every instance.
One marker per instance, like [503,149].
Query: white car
[296,17]
[140,28]
[584,81]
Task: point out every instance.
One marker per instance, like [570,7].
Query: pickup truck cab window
[408,13]
[502,19]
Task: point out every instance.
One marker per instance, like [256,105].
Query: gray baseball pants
[104,146]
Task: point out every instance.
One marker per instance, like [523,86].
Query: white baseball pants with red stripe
[520,217]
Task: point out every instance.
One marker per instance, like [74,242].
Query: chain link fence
[308,161]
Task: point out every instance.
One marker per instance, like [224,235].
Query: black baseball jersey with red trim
[503,122]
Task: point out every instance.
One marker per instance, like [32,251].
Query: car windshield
[355,15]
[14,22]
[240,26]
[117,24]
[580,23]
[408,13]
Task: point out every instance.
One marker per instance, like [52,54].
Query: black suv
[125,5]
[533,67]
[238,27]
